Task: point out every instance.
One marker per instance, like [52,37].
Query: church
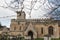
[36,28]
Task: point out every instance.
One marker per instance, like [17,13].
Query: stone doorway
[30,33]
[50,30]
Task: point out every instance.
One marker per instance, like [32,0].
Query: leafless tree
[17,5]
[54,6]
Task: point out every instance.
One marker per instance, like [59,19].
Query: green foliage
[6,37]
[55,39]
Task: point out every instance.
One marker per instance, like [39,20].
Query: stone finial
[20,12]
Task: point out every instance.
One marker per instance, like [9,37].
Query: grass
[51,39]
[55,39]
[39,39]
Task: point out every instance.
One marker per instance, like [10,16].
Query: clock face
[54,2]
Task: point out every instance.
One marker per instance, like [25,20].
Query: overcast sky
[34,14]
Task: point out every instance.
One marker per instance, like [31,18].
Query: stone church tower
[20,15]
[17,25]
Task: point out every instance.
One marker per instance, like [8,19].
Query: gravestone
[47,37]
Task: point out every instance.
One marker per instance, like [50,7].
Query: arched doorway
[50,30]
[30,33]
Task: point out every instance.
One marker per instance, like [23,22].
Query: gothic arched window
[41,30]
[50,30]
